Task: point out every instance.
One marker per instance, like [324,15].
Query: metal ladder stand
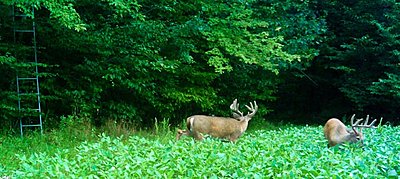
[29,109]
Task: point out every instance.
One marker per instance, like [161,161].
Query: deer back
[217,126]
[221,127]
[336,133]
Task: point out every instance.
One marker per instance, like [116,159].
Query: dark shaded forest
[138,60]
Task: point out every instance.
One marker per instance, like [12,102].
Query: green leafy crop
[290,152]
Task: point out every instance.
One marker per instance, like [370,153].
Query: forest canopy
[302,61]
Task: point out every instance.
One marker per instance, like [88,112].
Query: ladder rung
[21,15]
[27,94]
[29,109]
[26,78]
[24,31]
[25,64]
[31,125]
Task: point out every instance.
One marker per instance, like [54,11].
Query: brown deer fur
[221,127]
[336,133]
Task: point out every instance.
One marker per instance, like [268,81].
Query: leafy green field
[290,152]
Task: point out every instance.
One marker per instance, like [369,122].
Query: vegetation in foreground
[287,151]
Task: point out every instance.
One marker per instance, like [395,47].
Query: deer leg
[197,136]
[232,138]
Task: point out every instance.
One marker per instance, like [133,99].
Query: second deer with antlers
[221,127]
[336,132]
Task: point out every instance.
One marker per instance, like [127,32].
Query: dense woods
[302,61]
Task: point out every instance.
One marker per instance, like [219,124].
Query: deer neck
[243,124]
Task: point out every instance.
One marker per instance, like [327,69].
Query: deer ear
[236,116]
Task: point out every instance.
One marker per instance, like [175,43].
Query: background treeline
[302,61]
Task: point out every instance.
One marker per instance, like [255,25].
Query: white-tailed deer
[336,132]
[221,127]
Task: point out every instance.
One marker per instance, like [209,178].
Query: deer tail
[189,123]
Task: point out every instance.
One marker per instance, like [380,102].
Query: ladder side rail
[37,70]
[36,78]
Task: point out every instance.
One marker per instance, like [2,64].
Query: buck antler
[235,109]
[238,114]
[365,125]
[253,109]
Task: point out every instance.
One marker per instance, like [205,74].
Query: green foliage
[162,127]
[137,61]
[6,59]
[356,70]
[288,152]
[232,28]
[140,60]
[365,47]
[8,107]
[389,86]
[63,11]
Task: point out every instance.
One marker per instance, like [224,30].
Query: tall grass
[73,131]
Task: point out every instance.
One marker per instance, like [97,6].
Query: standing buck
[336,132]
[221,127]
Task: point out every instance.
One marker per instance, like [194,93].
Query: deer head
[221,127]
[336,132]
